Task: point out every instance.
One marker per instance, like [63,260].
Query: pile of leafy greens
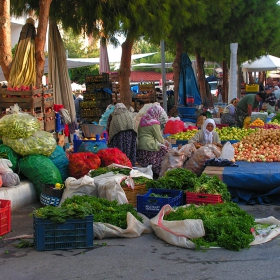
[225,224]
[184,179]
[78,207]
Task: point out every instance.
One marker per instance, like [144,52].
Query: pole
[233,72]
[163,75]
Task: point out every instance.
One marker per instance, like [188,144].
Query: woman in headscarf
[121,131]
[207,135]
[229,114]
[151,149]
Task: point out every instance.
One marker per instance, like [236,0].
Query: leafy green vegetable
[159,195]
[226,225]
[99,171]
[77,207]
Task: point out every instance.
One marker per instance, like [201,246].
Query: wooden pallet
[214,170]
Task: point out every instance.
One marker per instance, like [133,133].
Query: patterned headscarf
[208,136]
[152,116]
[119,109]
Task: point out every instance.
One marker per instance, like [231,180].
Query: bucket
[91,130]
[190,99]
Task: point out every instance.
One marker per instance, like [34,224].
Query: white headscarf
[208,136]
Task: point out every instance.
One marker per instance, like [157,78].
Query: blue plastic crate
[231,141]
[150,206]
[77,142]
[59,125]
[72,234]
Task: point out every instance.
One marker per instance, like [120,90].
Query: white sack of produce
[40,143]
[10,179]
[18,125]
[177,232]
[134,228]
[216,150]
[82,186]
[196,162]
[109,187]
[5,165]
[173,159]
[188,150]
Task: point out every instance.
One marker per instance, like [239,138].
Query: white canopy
[80,62]
[264,63]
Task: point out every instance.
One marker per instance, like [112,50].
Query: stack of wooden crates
[36,102]
[96,97]
[116,95]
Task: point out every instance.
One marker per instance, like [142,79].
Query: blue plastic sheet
[254,182]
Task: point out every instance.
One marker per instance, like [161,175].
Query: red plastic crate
[5,216]
[203,198]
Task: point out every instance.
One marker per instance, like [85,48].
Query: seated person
[207,135]
[229,113]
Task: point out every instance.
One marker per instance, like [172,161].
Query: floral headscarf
[152,116]
[208,136]
[119,109]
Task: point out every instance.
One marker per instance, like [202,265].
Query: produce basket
[50,195]
[73,234]
[5,216]
[131,194]
[91,130]
[203,198]
[151,205]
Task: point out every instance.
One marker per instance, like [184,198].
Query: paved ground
[146,257]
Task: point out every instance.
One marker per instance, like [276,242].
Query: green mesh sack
[39,170]
[9,153]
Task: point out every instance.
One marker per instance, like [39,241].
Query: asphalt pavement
[145,257]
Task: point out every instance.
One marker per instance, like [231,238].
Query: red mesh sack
[81,163]
[173,127]
[113,155]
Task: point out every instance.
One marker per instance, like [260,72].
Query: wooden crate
[114,77]
[146,87]
[25,99]
[214,170]
[49,125]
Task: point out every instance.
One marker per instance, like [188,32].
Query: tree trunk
[5,38]
[225,82]
[40,39]
[124,72]
[176,69]
[201,80]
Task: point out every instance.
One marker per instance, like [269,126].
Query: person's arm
[157,134]
[249,109]
[196,140]
[269,91]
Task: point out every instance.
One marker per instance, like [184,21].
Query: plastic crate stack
[96,97]
[114,79]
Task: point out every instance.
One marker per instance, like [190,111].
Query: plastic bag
[196,162]
[18,125]
[104,118]
[61,161]
[81,163]
[40,143]
[173,127]
[216,150]
[227,151]
[246,122]
[5,165]
[173,159]
[188,150]
[93,147]
[10,179]
[9,153]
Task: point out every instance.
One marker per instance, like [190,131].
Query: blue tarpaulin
[254,182]
[187,84]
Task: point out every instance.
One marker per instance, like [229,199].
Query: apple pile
[184,135]
[234,133]
[260,146]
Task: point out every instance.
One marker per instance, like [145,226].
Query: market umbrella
[104,66]
[187,83]
[264,63]
[58,74]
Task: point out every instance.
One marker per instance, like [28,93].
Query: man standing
[270,99]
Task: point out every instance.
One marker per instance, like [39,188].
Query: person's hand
[218,145]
